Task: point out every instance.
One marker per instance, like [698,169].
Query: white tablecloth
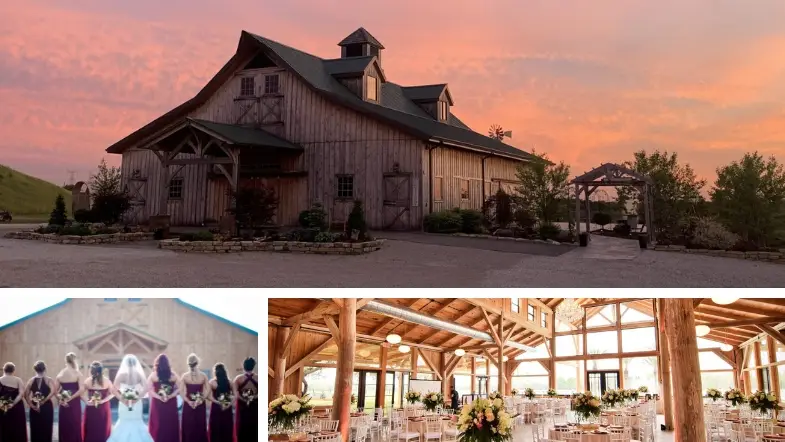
[555,435]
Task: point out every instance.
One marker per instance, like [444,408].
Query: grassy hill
[27,197]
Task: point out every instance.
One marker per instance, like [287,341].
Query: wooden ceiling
[467,313]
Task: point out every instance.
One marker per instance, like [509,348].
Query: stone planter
[109,238]
[773,257]
[336,248]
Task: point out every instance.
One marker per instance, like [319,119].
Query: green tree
[543,188]
[675,192]
[749,198]
[110,201]
[59,215]
[106,181]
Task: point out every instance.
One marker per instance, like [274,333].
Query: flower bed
[774,257]
[108,238]
[326,248]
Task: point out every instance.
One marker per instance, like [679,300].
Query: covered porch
[372,349]
[203,162]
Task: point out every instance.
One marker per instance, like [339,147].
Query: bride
[130,427]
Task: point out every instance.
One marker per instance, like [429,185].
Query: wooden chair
[433,428]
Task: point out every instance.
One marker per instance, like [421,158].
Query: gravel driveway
[607,262]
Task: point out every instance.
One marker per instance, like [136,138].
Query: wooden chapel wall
[50,335]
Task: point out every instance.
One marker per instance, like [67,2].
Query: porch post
[577,209]
[588,210]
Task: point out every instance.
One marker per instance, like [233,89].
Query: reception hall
[526,369]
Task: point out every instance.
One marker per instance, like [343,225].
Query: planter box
[773,257]
[73,239]
[337,248]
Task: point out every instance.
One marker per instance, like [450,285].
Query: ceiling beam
[776,334]
[747,321]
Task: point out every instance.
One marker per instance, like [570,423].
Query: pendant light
[726,347]
[702,330]
[404,348]
[724,300]
[393,338]
[505,359]
[460,352]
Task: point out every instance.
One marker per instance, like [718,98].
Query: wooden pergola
[349,334]
[612,175]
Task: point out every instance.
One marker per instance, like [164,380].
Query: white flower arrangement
[586,405]
[714,394]
[763,402]
[613,397]
[494,395]
[413,396]
[643,389]
[514,392]
[552,392]
[632,394]
[432,399]
[528,393]
[485,420]
[286,409]
[735,396]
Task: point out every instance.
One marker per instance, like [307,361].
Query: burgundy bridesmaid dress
[41,421]
[13,424]
[221,422]
[194,419]
[69,419]
[247,415]
[164,422]
[97,420]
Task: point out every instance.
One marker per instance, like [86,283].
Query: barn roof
[180,301]
[244,136]
[361,36]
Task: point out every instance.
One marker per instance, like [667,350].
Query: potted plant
[485,420]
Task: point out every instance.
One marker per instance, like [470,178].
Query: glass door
[601,381]
[364,389]
[481,390]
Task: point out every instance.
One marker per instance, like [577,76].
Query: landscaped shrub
[525,220]
[49,229]
[549,231]
[254,206]
[471,220]
[445,221]
[623,229]
[314,218]
[304,235]
[503,208]
[76,229]
[109,208]
[59,216]
[356,221]
[197,236]
[83,216]
[706,233]
[327,237]
[601,218]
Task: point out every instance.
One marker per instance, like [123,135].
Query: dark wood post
[665,370]
[687,390]
[347,326]
[280,362]
[381,383]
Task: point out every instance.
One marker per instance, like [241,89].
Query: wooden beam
[338,301]
[270,372]
[381,382]
[363,301]
[489,357]
[321,309]
[305,359]
[771,331]
[509,334]
[696,302]
[292,335]
[452,365]
[749,321]
[491,327]
[367,338]
[547,366]
[490,308]
[724,357]
[279,362]
[345,369]
[333,327]
[431,365]
[192,161]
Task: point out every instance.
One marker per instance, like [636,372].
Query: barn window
[516,305]
[544,319]
[176,189]
[438,188]
[532,313]
[464,189]
[271,84]
[247,87]
[345,186]
[442,111]
[371,84]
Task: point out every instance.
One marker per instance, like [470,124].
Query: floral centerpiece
[586,406]
[484,420]
[735,397]
[714,394]
[432,399]
[514,392]
[632,394]
[551,392]
[495,395]
[528,393]
[131,396]
[643,389]
[286,409]
[413,396]
[611,398]
[763,402]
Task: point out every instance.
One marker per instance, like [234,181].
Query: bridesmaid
[247,416]
[41,412]
[221,422]
[194,413]
[97,414]
[69,421]
[164,421]
[13,423]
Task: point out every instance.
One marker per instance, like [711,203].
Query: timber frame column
[381,383]
[665,369]
[679,316]
[347,326]
[279,363]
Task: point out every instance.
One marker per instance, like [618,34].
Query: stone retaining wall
[108,238]
[337,248]
[775,257]
[509,238]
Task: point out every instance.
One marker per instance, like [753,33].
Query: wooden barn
[326,130]
[106,329]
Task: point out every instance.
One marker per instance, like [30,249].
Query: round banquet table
[555,435]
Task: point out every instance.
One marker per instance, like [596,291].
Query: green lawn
[29,199]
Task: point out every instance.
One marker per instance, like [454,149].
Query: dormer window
[442,111]
[372,89]
[247,87]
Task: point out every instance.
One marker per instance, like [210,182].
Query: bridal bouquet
[484,420]
[38,398]
[225,399]
[432,400]
[586,405]
[64,396]
[285,411]
[5,404]
[612,397]
[763,402]
[197,398]
[130,395]
[735,396]
[714,394]
[412,396]
[95,398]
[551,392]
[248,396]
[528,393]
[164,391]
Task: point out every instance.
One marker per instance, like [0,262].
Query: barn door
[397,200]
[136,190]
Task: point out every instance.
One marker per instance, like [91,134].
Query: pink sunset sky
[585,81]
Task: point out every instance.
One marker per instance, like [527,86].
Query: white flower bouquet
[130,395]
[551,392]
[528,393]
[643,389]
[248,396]
[611,398]
[484,420]
[413,396]
[763,402]
[632,394]
[286,409]
[96,398]
[714,394]
[494,395]
[431,400]
[586,406]
[735,396]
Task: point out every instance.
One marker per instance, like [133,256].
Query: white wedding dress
[130,426]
